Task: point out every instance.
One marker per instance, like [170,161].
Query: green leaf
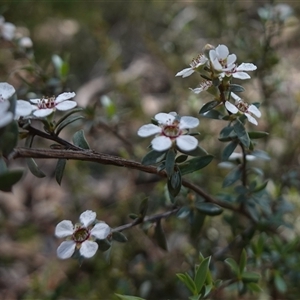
[181,158]
[59,170]
[199,151]
[153,157]
[241,133]
[228,150]
[66,122]
[260,187]
[104,245]
[170,162]
[195,164]
[250,277]
[9,138]
[79,140]
[183,212]
[174,184]
[119,237]
[236,88]
[143,208]
[243,261]
[209,209]
[188,281]
[109,106]
[280,283]
[213,114]
[257,134]
[254,287]
[227,134]
[233,176]
[201,274]
[208,106]
[160,236]
[125,297]
[34,169]
[233,266]
[3,167]
[9,178]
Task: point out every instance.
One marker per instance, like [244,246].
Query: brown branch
[105,159]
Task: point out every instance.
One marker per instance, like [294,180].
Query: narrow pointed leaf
[233,266]
[125,297]
[66,122]
[143,208]
[170,162]
[60,168]
[80,141]
[199,151]
[119,237]
[188,281]
[208,106]
[195,164]
[34,169]
[159,236]
[250,277]
[213,114]
[233,176]
[201,274]
[228,150]
[243,261]
[236,88]
[153,157]
[257,134]
[241,133]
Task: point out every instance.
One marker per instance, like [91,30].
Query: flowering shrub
[175,156]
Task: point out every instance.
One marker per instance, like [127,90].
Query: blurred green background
[130,51]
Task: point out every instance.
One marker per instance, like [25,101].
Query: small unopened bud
[207,48]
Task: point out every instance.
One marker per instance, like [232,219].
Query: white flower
[196,63]
[25,42]
[238,72]
[224,63]
[45,106]
[221,60]
[244,108]
[81,235]
[23,108]
[6,91]
[171,129]
[237,155]
[7,30]
[204,86]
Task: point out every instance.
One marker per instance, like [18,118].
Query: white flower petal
[161,143]
[64,228]
[88,249]
[222,52]
[185,72]
[87,217]
[251,119]
[23,108]
[6,90]
[231,60]
[246,67]
[254,110]
[216,64]
[43,112]
[66,249]
[35,101]
[147,130]
[187,142]
[64,96]
[236,97]
[188,122]
[163,118]
[66,105]
[6,118]
[230,107]
[197,90]
[100,231]
[4,105]
[8,31]
[241,75]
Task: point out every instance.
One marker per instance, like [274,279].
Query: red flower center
[46,103]
[81,235]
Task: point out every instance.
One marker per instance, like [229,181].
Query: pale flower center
[242,106]
[81,235]
[45,103]
[172,130]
